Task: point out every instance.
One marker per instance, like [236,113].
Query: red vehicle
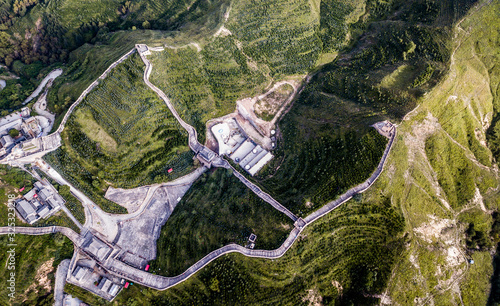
[126,285]
[170,170]
[147,267]
[21,190]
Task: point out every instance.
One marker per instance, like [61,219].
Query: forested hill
[85,37]
[47,30]
[412,237]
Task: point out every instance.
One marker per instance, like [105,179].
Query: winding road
[50,77]
[121,269]
[162,283]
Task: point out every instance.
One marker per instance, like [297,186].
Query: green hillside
[424,233]
[327,143]
[84,37]
[123,140]
[216,211]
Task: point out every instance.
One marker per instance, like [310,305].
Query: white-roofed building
[6,141]
[241,149]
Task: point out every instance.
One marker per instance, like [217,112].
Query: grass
[456,174]
[205,85]
[401,77]
[358,243]
[216,211]
[278,34]
[94,131]
[114,138]
[30,254]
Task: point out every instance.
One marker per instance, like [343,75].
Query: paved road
[61,272]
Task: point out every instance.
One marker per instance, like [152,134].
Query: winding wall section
[162,283]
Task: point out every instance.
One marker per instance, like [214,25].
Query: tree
[146,25]
[5,46]
[96,184]
[13,133]
[64,190]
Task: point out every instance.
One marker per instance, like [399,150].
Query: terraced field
[205,85]
[279,34]
[121,135]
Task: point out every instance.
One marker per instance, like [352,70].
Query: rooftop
[96,247]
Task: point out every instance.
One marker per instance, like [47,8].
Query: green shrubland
[30,254]
[456,173]
[316,168]
[278,34]
[205,85]
[216,211]
[115,138]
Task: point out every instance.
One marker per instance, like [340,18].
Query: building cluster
[40,202]
[86,273]
[96,248]
[105,285]
[28,128]
[240,148]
